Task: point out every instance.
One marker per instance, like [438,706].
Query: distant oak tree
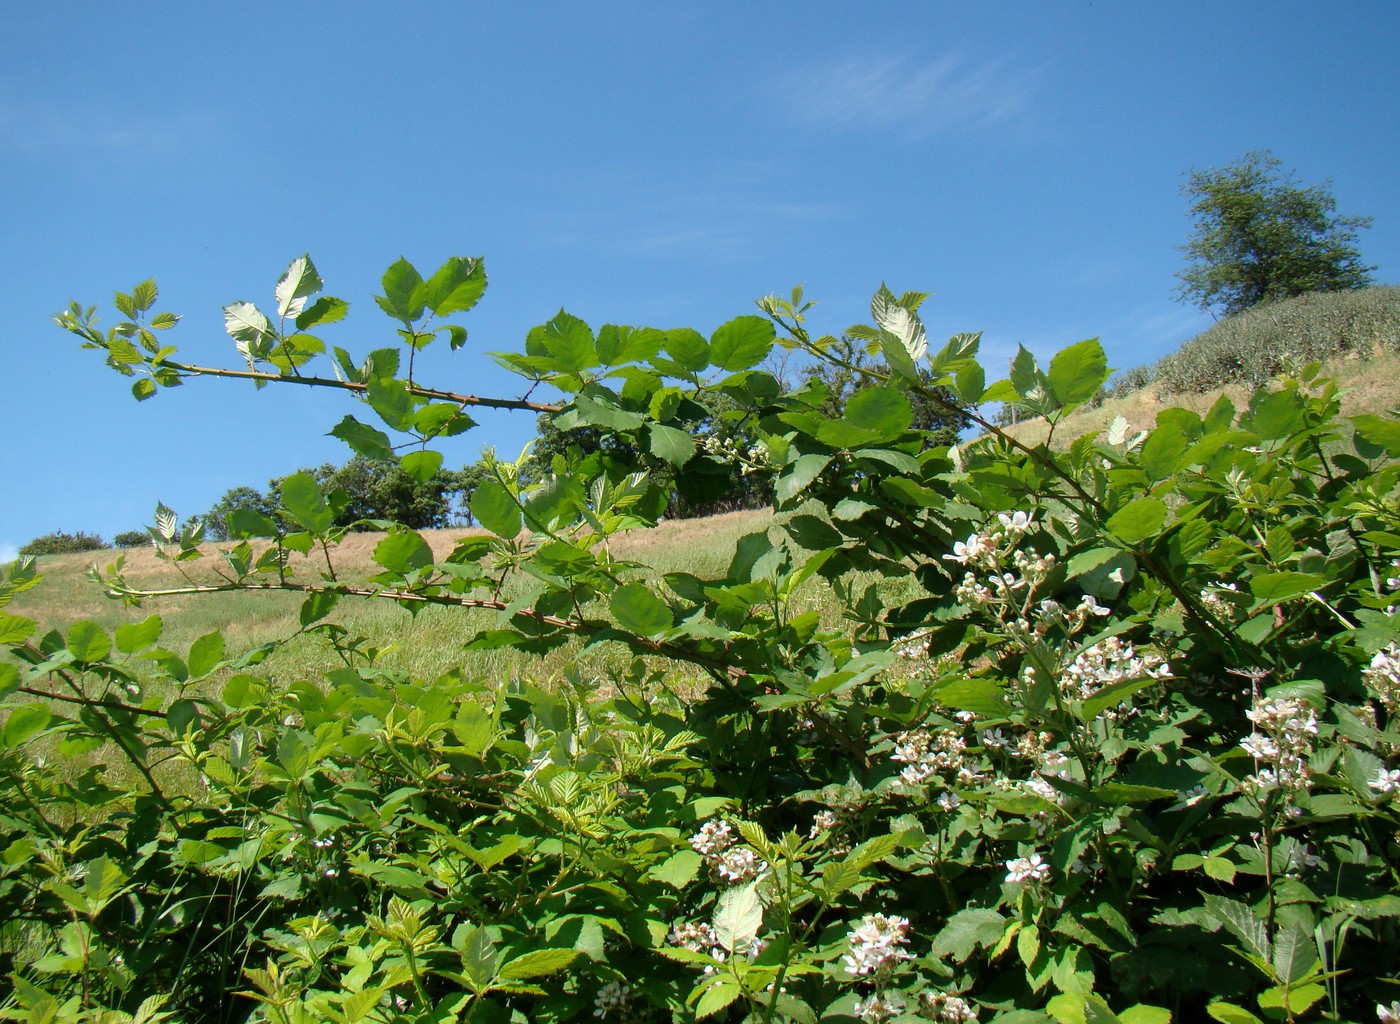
[1262,236]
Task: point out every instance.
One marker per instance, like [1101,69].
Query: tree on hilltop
[1261,236]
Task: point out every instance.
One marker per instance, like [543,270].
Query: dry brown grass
[1368,386]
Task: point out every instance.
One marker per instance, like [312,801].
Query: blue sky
[642,163]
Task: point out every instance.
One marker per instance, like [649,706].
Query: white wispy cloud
[8,553]
[48,129]
[733,211]
[895,93]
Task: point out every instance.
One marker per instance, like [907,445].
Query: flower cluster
[880,1006]
[1215,601]
[1009,574]
[1072,620]
[1280,744]
[1383,678]
[925,754]
[729,863]
[751,458]
[1027,869]
[875,944]
[614,996]
[940,1006]
[1106,663]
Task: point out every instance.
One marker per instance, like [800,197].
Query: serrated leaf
[537,963]
[403,551]
[741,343]
[325,310]
[205,654]
[495,509]
[716,996]
[1243,923]
[422,466]
[298,284]
[132,637]
[738,917]
[405,292]
[1138,520]
[795,478]
[22,723]
[456,287]
[304,502]
[1271,588]
[637,609]
[368,441]
[87,641]
[247,325]
[674,445]
[1077,373]
[1229,1013]
[143,389]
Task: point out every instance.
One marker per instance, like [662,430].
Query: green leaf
[143,296]
[1246,925]
[298,284]
[741,343]
[1138,520]
[678,870]
[1295,955]
[980,696]
[422,466]
[902,338]
[324,310]
[1296,1001]
[23,722]
[243,691]
[247,325]
[457,286]
[205,654]
[618,345]
[637,609]
[966,932]
[1379,431]
[537,963]
[1271,588]
[304,502]
[688,348]
[404,292]
[738,917]
[87,641]
[1229,1013]
[137,636]
[674,445]
[143,389]
[568,341]
[970,383]
[389,397]
[495,509]
[798,475]
[884,411]
[404,550]
[182,716]
[1143,1014]
[244,522]
[368,441]
[16,629]
[1077,373]
[716,996]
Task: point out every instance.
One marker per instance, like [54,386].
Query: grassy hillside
[1356,336]
[425,645]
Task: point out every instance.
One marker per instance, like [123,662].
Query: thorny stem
[189,370]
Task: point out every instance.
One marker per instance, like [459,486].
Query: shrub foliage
[60,543]
[1128,755]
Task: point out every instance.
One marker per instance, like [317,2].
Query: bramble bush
[60,543]
[1128,755]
